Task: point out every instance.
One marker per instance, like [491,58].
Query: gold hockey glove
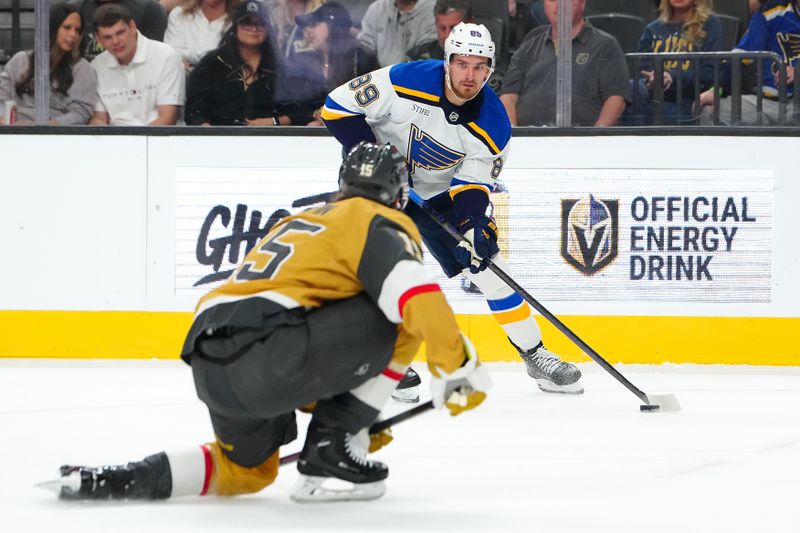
[464,388]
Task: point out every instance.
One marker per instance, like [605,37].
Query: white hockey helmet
[469,40]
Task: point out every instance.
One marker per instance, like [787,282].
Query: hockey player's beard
[457,97]
[467,92]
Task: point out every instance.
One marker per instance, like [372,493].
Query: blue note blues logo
[790,45]
[589,233]
[426,152]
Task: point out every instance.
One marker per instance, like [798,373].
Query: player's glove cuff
[464,388]
[481,234]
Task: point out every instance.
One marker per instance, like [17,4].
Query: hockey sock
[358,407]
[205,470]
[191,470]
[231,479]
[509,309]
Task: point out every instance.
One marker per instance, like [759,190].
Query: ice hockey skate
[86,483]
[407,391]
[332,456]
[550,372]
[141,480]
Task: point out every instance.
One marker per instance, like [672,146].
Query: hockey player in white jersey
[454,134]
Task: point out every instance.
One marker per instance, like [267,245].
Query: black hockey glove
[481,232]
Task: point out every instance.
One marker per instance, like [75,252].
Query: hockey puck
[649,408]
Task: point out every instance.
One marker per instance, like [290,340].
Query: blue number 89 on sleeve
[365,94]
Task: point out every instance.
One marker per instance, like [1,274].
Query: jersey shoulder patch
[420,81]
[776,8]
[492,127]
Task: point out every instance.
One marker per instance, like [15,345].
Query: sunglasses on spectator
[253,24]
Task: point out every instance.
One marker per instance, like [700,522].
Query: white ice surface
[525,461]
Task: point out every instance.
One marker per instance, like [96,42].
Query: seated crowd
[272,62]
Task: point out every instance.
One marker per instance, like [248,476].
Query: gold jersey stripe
[461,188]
[418,94]
[480,131]
[327,114]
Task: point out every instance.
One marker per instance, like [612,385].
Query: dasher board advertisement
[571,235]
[641,235]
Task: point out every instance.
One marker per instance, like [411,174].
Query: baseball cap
[251,9]
[334,13]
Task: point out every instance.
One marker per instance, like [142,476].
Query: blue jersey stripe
[424,76]
[330,103]
[498,130]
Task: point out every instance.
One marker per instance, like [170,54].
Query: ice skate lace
[546,360]
[356,451]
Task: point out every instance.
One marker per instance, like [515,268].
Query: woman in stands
[288,34]
[682,26]
[73,84]
[237,84]
[196,27]
[334,57]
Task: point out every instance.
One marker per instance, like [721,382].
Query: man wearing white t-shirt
[140,82]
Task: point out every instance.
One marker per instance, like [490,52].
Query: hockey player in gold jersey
[326,312]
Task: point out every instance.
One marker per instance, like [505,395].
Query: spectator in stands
[237,84]
[599,75]
[446,14]
[150,18]
[682,26]
[195,27]
[335,56]
[536,13]
[391,27]
[140,82]
[169,5]
[74,88]
[288,35]
[774,28]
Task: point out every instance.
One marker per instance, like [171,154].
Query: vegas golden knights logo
[589,233]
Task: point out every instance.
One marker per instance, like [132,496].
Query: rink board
[625,339]
[646,260]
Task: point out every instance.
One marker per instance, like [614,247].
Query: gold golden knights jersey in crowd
[331,253]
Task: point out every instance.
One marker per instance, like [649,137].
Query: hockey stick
[665,402]
[321,198]
[377,427]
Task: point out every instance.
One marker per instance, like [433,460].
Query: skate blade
[52,485]
[550,387]
[70,482]
[311,489]
[410,395]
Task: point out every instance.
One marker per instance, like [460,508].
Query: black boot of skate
[333,453]
[407,390]
[149,479]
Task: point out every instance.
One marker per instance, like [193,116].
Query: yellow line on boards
[625,339]
[655,339]
[93,334]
